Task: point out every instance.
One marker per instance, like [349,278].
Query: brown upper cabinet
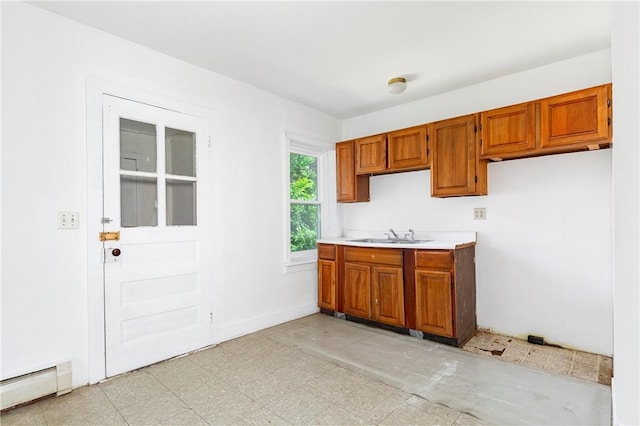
[508,130]
[401,150]
[570,122]
[455,165]
[407,149]
[579,118]
[371,154]
[457,149]
[350,187]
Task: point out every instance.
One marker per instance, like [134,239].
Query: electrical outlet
[479,213]
[68,220]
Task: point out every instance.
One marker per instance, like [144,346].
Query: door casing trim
[95,88]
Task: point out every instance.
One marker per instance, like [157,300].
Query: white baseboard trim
[614,420]
[251,325]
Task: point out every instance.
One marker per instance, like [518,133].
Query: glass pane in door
[137,146]
[181,202]
[138,201]
[180,152]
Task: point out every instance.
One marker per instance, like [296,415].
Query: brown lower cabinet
[422,292]
[373,283]
[327,277]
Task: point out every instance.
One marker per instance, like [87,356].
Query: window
[307,203]
[304,207]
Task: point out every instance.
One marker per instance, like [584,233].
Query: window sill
[300,265]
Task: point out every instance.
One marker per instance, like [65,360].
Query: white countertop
[432,240]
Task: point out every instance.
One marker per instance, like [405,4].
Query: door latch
[110,236]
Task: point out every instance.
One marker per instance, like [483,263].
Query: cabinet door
[357,297]
[327,284]
[577,117]
[349,187]
[407,149]
[434,307]
[371,154]
[388,295]
[509,130]
[455,166]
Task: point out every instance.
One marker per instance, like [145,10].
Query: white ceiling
[337,56]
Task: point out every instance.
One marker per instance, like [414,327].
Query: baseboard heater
[29,387]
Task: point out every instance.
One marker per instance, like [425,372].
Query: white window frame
[299,144]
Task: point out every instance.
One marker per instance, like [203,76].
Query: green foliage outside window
[303,186]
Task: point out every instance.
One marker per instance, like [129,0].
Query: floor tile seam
[180,414]
[264,404]
[226,384]
[314,393]
[41,410]
[113,404]
[381,421]
[70,395]
[265,408]
[85,419]
[453,420]
[319,413]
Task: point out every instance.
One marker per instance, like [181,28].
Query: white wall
[543,258]
[625,47]
[46,61]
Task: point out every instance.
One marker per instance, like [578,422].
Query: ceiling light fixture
[397,85]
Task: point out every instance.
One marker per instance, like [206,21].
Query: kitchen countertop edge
[433,244]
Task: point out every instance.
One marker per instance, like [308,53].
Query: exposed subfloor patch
[583,365]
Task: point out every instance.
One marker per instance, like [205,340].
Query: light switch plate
[68,220]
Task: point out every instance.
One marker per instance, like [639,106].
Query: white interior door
[156,306]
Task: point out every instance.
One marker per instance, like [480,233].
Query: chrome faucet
[393,233]
[411,234]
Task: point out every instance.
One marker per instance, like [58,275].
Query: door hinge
[480,142]
[476,179]
[210,317]
[608,102]
[427,137]
[105,220]
[608,121]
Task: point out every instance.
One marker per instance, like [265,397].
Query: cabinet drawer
[326,251]
[373,255]
[434,259]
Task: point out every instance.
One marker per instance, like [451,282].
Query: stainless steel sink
[387,241]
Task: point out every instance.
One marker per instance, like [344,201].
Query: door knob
[116,252]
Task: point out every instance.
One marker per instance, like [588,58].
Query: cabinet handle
[376,301]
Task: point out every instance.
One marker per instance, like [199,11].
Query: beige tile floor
[255,379]
[583,365]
